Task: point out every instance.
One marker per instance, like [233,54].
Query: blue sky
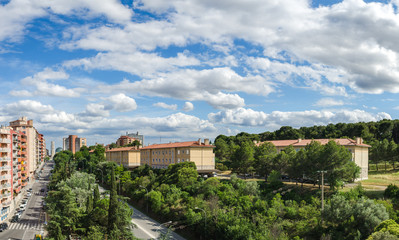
[181,70]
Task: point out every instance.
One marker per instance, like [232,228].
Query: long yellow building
[161,155]
[359,150]
[129,157]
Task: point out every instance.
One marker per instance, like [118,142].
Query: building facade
[136,136]
[161,155]
[129,157]
[5,172]
[359,150]
[35,145]
[73,143]
[124,140]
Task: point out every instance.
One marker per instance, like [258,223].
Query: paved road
[146,227]
[32,220]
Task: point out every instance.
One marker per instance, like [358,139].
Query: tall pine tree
[113,204]
[96,195]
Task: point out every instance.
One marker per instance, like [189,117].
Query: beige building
[359,150]
[33,144]
[129,157]
[161,155]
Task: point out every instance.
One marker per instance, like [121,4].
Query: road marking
[142,229]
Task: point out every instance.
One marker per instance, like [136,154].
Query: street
[33,218]
[146,227]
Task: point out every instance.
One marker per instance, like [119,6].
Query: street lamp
[119,180]
[204,219]
[160,226]
[145,196]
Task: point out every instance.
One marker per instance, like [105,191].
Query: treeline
[307,163]
[75,206]
[383,136]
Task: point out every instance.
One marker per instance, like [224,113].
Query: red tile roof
[177,144]
[304,142]
[122,149]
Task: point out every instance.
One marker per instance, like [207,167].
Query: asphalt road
[147,228]
[32,220]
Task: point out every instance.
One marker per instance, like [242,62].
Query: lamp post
[119,180]
[146,196]
[204,219]
[160,226]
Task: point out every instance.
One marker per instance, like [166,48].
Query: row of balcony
[6,203]
[5,140]
[4,168]
[4,131]
[4,150]
[5,177]
[5,195]
[2,159]
[5,186]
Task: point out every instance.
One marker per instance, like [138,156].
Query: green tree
[243,158]
[113,204]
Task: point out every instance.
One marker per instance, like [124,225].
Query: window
[182,151]
[178,151]
[182,160]
[188,151]
[178,160]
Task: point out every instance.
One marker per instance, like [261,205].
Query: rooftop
[178,144]
[304,142]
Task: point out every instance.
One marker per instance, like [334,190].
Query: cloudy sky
[187,69]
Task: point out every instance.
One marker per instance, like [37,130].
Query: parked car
[15,218]
[3,226]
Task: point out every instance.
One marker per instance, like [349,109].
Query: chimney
[206,141]
[199,141]
[299,140]
[359,140]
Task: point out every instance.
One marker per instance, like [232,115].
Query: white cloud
[276,119]
[21,93]
[27,106]
[166,106]
[329,102]
[42,86]
[121,103]
[188,106]
[16,14]
[193,85]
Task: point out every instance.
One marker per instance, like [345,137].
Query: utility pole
[322,188]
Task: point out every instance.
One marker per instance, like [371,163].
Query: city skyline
[177,71]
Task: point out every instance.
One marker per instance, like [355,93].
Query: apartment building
[161,155]
[129,157]
[5,172]
[359,150]
[124,140]
[35,145]
[73,143]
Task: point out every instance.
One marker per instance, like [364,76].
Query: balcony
[15,178]
[5,168]
[7,150]
[5,195]
[5,159]
[5,186]
[4,131]
[5,140]
[23,184]
[5,177]
[6,203]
